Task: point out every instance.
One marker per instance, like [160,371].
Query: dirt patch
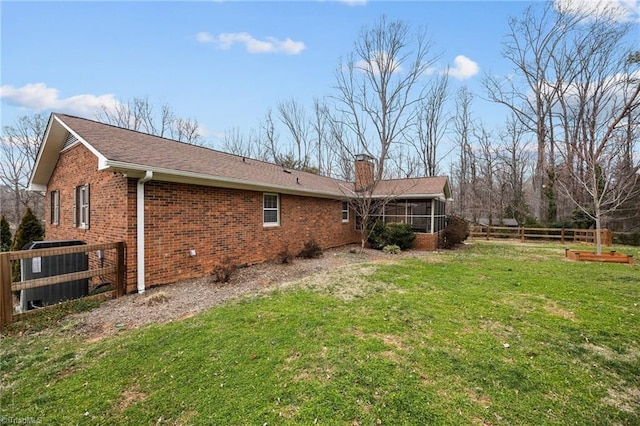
[556,310]
[130,396]
[187,298]
[631,354]
[625,399]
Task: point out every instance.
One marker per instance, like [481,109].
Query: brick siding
[109,218]
[221,224]
[428,242]
[217,223]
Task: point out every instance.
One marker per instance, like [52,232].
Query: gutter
[140,228]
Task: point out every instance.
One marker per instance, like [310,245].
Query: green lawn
[494,334]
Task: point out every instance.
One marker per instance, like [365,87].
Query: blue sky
[223,63]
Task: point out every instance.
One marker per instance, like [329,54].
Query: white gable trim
[52,144]
[101,158]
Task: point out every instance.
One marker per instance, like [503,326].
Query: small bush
[376,235]
[157,298]
[399,234]
[285,257]
[311,250]
[628,239]
[456,231]
[391,249]
[30,229]
[223,271]
[5,235]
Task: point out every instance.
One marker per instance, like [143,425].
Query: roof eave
[169,175]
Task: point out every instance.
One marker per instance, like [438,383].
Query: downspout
[140,227]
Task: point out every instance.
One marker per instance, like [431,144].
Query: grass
[495,334]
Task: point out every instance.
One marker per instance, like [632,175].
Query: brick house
[181,209]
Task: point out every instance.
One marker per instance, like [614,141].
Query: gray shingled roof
[127,150]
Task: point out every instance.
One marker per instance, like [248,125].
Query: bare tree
[485,188]
[406,164]
[534,42]
[19,145]
[602,98]
[187,130]
[325,155]
[138,114]
[270,137]
[431,126]
[378,87]
[513,158]
[465,171]
[235,142]
[292,114]
[341,144]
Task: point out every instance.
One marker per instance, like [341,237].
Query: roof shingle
[128,148]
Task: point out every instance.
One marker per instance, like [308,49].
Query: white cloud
[225,41]
[620,10]
[38,97]
[372,65]
[463,68]
[204,37]
[353,2]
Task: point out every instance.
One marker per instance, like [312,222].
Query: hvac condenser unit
[40,267]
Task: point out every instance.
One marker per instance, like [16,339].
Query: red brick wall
[218,223]
[427,242]
[109,219]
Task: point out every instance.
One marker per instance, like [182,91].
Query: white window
[345,211]
[271,209]
[81,207]
[54,208]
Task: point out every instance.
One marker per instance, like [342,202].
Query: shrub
[376,235]
[223,271]
[285,257]
[311,250]
[399,234]
[391,249]
[629,239]
[30,229]
[5,235]
[456,231]
[581,220]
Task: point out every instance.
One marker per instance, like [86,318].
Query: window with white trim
[81,207]
[54,208]
[271,209]
[345,211]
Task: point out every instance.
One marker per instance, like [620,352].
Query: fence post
[120,269]
[562,236]
[6,299]
[522,234]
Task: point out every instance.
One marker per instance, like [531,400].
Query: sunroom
[424,215]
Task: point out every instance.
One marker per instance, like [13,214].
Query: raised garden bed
[591,256]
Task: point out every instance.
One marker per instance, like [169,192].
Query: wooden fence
[563,235]
[115,268]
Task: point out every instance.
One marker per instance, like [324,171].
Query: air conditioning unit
[40,267]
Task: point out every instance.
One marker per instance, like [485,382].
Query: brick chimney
[364,172]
